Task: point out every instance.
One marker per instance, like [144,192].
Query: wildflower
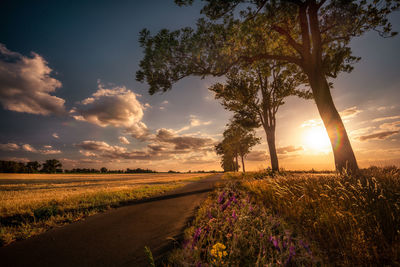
[292,252]
[226,205]
[274,242]
[306,246]
[234,215]
[196,237]
[221,197]
[218,252]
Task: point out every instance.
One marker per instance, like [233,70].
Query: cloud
[390,125]
[349,112]
[345,114]
[26,85]
[102,149]
[183,142]
[386,118]
[257,155]
[123,140]
[117,107]
[55,135]
[378,136]
[194,122]
[288,149]
[9,147]
[28,148]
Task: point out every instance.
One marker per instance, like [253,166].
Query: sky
[68,91]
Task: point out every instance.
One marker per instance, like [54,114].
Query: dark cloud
[183,142]
[102,149]
[26,85]
[378,136]
[9,147]
[288,149]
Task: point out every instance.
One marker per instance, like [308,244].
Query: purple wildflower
[196,237]
[221,197]
[292,250]
[198,264]
[234,215]
[275,242]
[209,215]
[233,199]
[306,246]
[227,204]
[251,208]
[261,235]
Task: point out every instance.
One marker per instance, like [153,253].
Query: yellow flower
[218,252]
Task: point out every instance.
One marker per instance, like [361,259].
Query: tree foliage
[312,35]
[237,142]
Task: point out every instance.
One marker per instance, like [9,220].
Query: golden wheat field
[22,192]
[33,203]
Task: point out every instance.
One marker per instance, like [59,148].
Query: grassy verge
[34,216]
[299,220]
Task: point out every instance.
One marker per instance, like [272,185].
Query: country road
[116,237]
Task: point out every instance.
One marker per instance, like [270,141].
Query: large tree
[256,94]
[313,35]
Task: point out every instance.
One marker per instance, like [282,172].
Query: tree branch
[298,47]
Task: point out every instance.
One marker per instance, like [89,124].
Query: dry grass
[33,203]
[354,219]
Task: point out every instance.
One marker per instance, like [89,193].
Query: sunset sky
[68,91]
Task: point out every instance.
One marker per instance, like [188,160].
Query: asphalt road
[116,237]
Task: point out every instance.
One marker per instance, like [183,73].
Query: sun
[316,138]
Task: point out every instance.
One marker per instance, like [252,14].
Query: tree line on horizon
[55,166]
[267,50]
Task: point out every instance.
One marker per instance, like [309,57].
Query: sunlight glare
[317,139]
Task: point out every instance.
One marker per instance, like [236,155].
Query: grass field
[32,203]
[298,220]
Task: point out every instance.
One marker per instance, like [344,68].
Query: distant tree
[103,170]
[314,35]
[237,142]
[51,166]
[12,167]
[255,95]
[32,166]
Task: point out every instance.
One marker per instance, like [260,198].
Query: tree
[51,166]
[237,142]
[256,94]
[103,170]
[32,166]
[313,35]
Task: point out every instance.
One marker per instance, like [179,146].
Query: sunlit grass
[32,203]
[355,220]
[342,220]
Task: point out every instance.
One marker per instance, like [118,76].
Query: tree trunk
[270,132]
[342,150]
[237,164]
[244,170]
